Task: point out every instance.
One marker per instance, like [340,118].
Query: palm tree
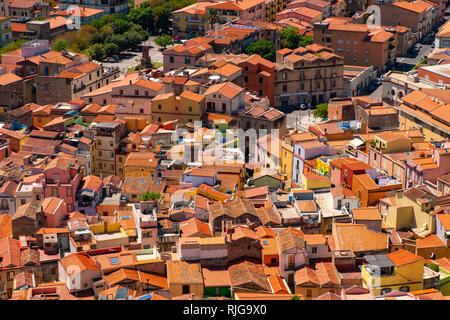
[212,17]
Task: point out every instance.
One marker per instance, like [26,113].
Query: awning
[355,143]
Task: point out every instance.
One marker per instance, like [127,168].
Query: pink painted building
[54,211]
[62,177]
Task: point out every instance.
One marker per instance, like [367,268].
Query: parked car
[303,106]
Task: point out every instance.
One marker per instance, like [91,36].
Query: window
[120,91]
[141,110]
[273,260]
[111,154]
[309,292]
[111,144]
[185,289]
[10,275]
[302,86]
[340,41]
[284,88]
[284,75]
[146,93]
[385,291]
[187,60]
[69,207]
[190,109]
[404,289]
[314,250]
[69,192]
[55,192]
[171,59]
[159,107]
[246,79]
[5,204]
[136,92]
[260,80]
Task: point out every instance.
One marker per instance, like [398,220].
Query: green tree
[164,40]
[296,297]
[321,111]
[290,38]
[212,17]
[106,30]
[151,196]
[96,52]
[60,45]
[118,39]
[143,16]
[305,41]
[162,16]
[134,39]
[111,49]
[264,48]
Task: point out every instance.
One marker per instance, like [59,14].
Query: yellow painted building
[398,270]
[187,21]
[392,142]
[312,181]
[286,158]
[140,164]
[323,166]
[435,132]
[407,212]
[188,107]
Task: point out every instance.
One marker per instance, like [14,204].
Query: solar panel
[114,260]
[127,217]
[122,294]
[265,242]
[145,297]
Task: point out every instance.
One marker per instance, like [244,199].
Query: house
[140,281]
[242,243]
[369,216]
[293,252]
[391,142]
[7,197]
[52,240]
[224,97]
[312,283]
[88,196]
[210,251]
[267,177]
[195,228]
[443,227]
[236,211]
[431,247]
[398,270]
[27,220]
[357,293]
[371,190]
[317,247]
[77,271]
[312,181]
[247,277]
[184,278]
[270,252]
[62,178]
[54,211]
[217,282]
[359,239]
[140,164]
[307,150]
[199,176]
[343,197]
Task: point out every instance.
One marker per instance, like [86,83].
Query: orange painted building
[259,76]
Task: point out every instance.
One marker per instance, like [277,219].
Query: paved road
[131,59]
[300,119]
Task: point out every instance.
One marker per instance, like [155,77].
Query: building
[259,76]
[186,54]
[425,110]
[293,253]
[187,21]
[398,270]
[316,85]
[62,178]
[358,44]
[184,278]
[11,91]
[443,36]
[109,6]
[224,97]
[312,283]
[5,31]
[357,79]
[107,138]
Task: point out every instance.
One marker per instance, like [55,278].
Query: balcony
[81,88]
